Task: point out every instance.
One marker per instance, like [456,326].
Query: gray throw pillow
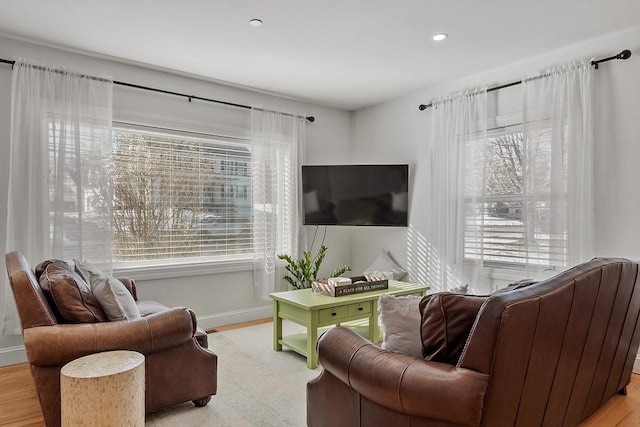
[115,299]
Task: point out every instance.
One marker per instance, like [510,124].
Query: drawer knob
[360,308]
[333,313]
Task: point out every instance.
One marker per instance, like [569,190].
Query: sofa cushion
[70,296]
[115,299]
[150,307]
[400,323]
[446,320]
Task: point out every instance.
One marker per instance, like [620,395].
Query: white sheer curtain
[458,122]
[558,135]
[517,198]
[60,196]
[277,154]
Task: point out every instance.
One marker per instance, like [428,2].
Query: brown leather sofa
[179,367]
[545,354]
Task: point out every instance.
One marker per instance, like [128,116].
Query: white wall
[220,296]
[396,131]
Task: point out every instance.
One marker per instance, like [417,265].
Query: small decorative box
[352,285]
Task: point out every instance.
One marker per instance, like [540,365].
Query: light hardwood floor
[19,405]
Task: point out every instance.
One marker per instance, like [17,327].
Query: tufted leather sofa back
[556,350]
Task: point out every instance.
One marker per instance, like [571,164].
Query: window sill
[170,271]
[501,274]
[505,273]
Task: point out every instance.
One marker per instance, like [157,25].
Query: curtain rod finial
[625,54]
[422,107]
[311,119]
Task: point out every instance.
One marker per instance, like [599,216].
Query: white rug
[256,385]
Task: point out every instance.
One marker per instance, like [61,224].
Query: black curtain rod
[625,54]
[189,97]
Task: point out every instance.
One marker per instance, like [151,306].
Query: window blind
[512,212]
[180,197]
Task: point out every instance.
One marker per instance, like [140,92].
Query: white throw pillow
[400,321]
[384,262]
[115,299]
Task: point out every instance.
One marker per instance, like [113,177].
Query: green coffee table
[314,311]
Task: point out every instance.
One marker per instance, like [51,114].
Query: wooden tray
[323,287]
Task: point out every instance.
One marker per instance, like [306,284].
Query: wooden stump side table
[103,389]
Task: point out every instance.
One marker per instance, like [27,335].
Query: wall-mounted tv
[376,195]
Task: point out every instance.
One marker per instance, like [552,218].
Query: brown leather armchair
[179,367]
[546,354]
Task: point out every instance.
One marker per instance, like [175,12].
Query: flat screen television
[375,195]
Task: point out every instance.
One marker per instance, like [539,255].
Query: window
[173,197]
[511,204]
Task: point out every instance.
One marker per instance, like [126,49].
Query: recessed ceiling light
[255,22]
[440,36]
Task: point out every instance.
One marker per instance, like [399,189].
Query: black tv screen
[355,195]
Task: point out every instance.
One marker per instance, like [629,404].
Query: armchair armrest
[402,383]
[59,344]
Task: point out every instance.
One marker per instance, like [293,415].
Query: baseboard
[236,316]
[12,355]
[636,365]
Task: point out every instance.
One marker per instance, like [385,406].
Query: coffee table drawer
[360,308]
[334,313]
